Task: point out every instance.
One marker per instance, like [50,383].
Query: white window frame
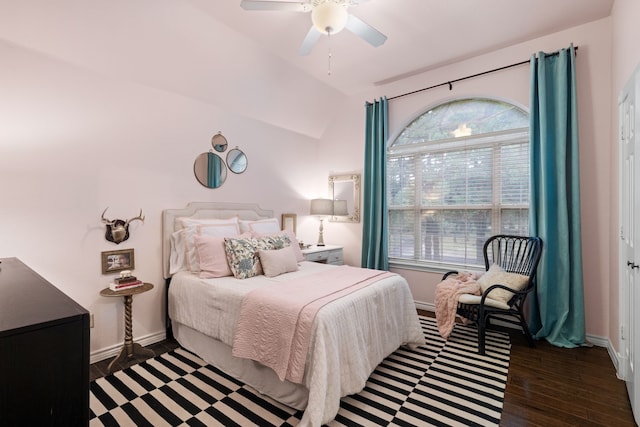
[495,140]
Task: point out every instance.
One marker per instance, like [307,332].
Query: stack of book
[128,282]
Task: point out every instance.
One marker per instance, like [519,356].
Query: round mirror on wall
[219,142]
[236,160]
[210,170]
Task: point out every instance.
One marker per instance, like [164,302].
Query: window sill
[432,268]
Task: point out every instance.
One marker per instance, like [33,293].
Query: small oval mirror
[219,142]
[236,160]
[210,170]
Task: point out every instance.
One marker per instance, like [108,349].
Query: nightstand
[130,348]
[328,254]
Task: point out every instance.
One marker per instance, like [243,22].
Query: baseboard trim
[114,350]
[594,339]
[425,306]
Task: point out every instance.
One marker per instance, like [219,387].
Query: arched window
[456,175]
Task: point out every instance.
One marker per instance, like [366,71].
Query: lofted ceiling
[422,34]
[247,62]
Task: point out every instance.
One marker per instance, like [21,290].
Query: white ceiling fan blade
[275,5]
[365,31]
[309,41]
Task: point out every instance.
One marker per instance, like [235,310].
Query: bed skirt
[261,378]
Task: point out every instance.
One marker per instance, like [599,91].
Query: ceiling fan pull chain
[329,57]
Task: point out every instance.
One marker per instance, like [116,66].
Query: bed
[348,337]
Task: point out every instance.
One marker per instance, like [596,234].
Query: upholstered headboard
[219,210]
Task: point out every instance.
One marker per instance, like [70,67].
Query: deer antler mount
[118,229]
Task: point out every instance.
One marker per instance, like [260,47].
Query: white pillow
[217,230]
[497,275]
[177,256]
[475,299]
[262,226]
[185,221]
[278,261]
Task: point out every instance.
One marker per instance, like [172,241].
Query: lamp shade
[321,207]
[329,17]
[340,208]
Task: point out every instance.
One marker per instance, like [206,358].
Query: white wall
[346,137]
[79,133]
[625,59]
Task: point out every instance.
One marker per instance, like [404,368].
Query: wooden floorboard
[547,386]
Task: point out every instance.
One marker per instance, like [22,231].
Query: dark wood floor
[551,386]
[547,386]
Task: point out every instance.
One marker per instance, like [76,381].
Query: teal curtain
[374,188]
[213,170]
[557,309]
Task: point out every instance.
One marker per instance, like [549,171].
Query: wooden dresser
[44,352]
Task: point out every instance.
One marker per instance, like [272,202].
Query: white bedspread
[350,336]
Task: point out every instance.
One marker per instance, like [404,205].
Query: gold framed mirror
[345,193]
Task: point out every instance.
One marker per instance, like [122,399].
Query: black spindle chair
[514,254]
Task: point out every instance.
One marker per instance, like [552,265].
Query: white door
[629,251]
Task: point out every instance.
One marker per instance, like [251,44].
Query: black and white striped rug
[440,384]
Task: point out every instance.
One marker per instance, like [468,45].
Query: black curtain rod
[451,82]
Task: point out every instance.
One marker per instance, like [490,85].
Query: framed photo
[289,222]
[113,261]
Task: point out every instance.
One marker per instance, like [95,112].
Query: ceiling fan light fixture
[329,17]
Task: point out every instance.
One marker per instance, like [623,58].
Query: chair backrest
[515,254]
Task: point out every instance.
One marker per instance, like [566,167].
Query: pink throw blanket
[447,295]
[274,327]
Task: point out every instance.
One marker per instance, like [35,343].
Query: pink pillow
[213,259]
[292,237]
[278,261]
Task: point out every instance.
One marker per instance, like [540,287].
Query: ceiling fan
[328,17]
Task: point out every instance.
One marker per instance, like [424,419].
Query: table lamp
[321,208]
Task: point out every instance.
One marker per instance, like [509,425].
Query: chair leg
[525,328]
[527,332]
[481,334]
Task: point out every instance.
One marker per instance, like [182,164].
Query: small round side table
[129,349]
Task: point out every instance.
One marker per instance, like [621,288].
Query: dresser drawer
[325,256]
[318,256]
[335,257]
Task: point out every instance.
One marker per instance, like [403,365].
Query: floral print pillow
[242,253]
[272,242]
